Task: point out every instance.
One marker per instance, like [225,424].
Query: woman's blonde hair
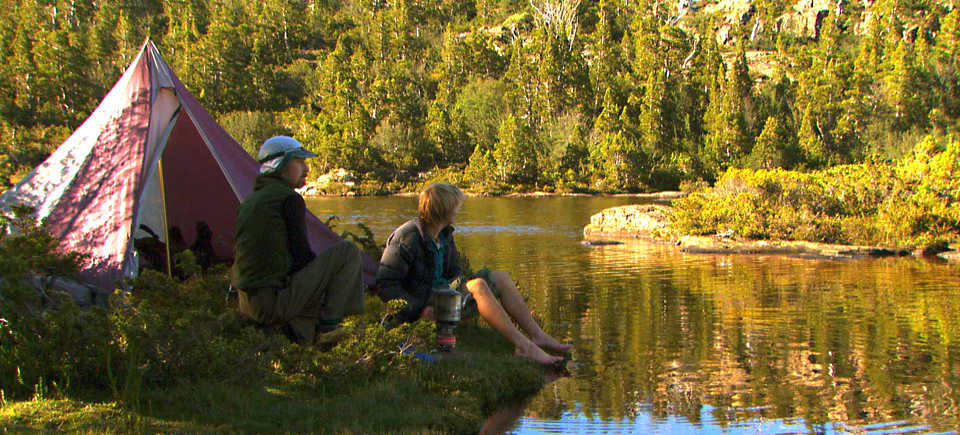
[438,200]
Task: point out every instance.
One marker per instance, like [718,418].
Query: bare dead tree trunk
[559,17]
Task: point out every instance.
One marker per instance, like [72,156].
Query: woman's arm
[395,265]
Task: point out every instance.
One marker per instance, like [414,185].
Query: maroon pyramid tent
[149,155]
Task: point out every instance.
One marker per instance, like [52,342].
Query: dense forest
[562,95]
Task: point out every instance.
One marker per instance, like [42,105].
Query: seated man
[280,281]
[421,256]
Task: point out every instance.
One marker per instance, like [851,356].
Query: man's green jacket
[270,240]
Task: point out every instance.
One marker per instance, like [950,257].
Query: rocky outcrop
[647,221]
[84,295]
[732,245]
[652,222]
[733,11]
[46,289]
[805,17]
[341,177]
[666,195]
[338,175]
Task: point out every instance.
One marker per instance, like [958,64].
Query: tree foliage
[389,89]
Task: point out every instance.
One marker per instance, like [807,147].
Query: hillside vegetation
[564,95]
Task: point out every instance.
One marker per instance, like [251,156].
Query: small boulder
[337,176]
[84,295]
[647,221]
[600,242]
[953,255]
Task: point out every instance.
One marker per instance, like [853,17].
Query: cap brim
[300,152]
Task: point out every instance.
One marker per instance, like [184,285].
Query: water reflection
[675,343]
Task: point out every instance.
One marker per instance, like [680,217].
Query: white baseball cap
[282,146]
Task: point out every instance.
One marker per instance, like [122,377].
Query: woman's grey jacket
[407,267]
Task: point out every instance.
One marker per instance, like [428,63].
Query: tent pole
[166,225]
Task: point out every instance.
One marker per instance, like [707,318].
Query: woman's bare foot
[548,342]
[538,355]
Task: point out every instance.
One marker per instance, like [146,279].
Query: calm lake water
[674,343]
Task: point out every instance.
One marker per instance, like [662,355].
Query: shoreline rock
[642,221]
[733,245]
[316,190]
[951,256]
[651,222]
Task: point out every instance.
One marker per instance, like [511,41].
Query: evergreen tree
[811,143]
[871,53]
[562,80]
[607,68]
[481,168]
[830,97]
[727,140]
[103,47]
[473,55]
[615,152]
[947,53]
[23,66]
[742,87]
[617,91]
[650,127]
[903,88]
[517,154]
[521,82]
[776,146]
[572,162]
[340,128]
[447,134]
[223,72]
[482,106]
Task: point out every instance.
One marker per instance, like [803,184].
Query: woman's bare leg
[494,314]
[515,306]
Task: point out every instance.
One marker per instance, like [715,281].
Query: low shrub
[376,346]
[175,332]
[47,344]
[910,202]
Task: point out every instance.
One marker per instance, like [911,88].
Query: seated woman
[421,256]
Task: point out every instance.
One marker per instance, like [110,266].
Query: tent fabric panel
[150,209]
[196,189]
[95,214]
[162,77]
[240,168]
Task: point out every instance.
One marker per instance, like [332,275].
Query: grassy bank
[449,396]
[174,356]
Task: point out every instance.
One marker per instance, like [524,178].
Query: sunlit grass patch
[70,416]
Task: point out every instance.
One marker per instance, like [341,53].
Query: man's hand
[427,313]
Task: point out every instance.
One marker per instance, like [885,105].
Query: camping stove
[447,313]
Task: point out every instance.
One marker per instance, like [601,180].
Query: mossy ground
[452,395]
